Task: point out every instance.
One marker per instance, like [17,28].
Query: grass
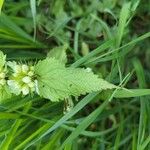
[112,38]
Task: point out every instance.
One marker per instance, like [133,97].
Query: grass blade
[33,11]
[1,5]
[78,107]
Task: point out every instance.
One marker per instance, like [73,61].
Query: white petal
[14,87]
[26,79]
[17,68]
[11,82]
[25,68]
[25,90]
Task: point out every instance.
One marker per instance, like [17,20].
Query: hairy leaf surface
[57,82]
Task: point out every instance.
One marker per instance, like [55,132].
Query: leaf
[1,4]
[7,23]
[67,116]
[55,82]
[2,60]
[59,53]
[33,11]
[4,93]
[125,93]
[15,33]
[124,15]
[84,124]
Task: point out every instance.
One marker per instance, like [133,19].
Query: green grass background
[109,36]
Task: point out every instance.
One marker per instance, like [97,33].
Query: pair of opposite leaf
[49,78]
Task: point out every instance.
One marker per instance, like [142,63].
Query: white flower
[14,87]
[22,79]
[25,90]
[17,68]
[25,68]
[26,79]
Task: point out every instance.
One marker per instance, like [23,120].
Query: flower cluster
[17,78]
[22,79]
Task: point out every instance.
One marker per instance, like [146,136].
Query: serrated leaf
[59,53]
[4,93]
[55,82]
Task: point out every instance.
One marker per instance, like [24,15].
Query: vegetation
[74,75]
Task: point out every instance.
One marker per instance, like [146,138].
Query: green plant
[48,78]
[57,52]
